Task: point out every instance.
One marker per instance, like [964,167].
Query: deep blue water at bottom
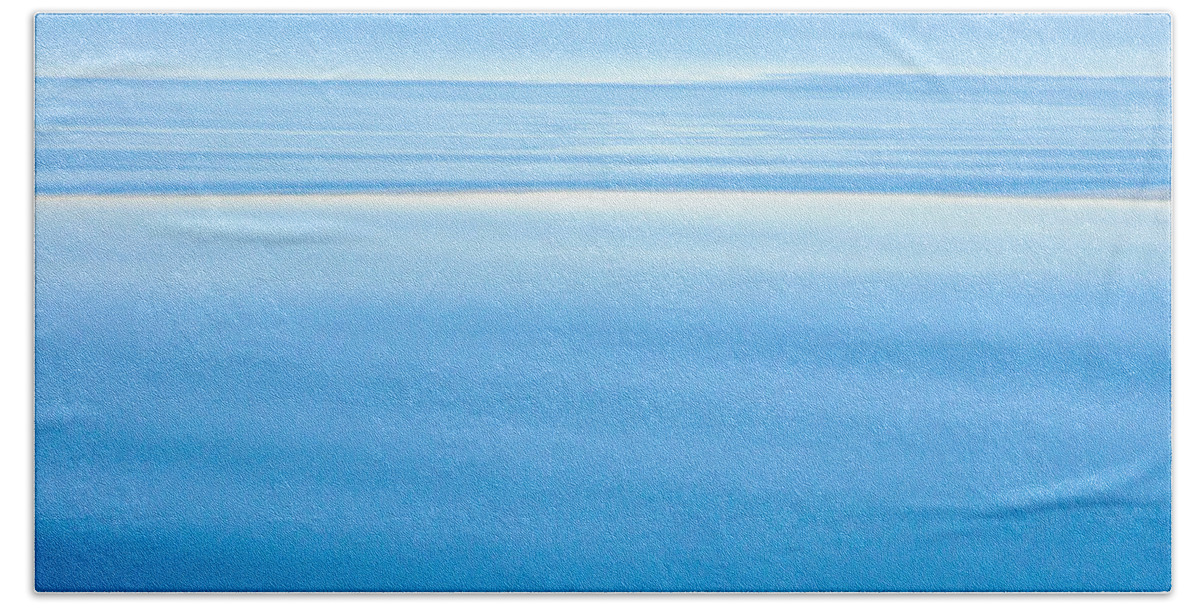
[865,394]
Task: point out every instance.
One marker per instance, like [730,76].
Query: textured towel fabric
[603,303]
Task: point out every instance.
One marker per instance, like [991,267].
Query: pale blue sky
[604,48]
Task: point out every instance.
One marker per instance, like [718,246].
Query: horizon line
[780,78]
[1165,195]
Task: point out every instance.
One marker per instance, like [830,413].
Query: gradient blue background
[714,384]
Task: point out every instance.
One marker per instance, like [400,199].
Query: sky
[597,48]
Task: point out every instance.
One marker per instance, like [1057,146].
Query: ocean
[876,333]
[938,134]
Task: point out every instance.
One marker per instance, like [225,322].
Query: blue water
[710,385]
[970,134]
[833,395]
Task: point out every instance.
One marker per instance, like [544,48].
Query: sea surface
[877,333]
[917,133]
